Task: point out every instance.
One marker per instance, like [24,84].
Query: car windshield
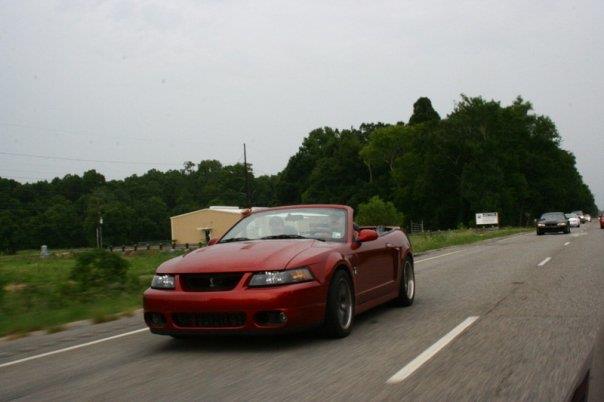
[327,224]
[569,216]
[553,216]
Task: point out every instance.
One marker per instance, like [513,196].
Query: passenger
[337,226]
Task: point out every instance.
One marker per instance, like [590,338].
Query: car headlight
[541,225]
[562,224]
[163,281]
[275,278]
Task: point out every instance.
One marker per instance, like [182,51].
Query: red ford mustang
[282,269]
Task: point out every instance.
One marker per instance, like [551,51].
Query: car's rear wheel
[406,293]
[339,315]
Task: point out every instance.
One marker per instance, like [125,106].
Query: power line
[97,136]
[34,171]
[24,177]
[86,160]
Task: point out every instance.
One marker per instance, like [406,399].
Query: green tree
[423,112]
[377,212]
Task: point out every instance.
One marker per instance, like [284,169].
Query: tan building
[204,224]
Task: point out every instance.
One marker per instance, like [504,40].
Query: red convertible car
[282,269]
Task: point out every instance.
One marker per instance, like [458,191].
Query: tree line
[483,157]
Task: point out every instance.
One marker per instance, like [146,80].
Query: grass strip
[426,241]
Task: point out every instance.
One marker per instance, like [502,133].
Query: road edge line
[82,345]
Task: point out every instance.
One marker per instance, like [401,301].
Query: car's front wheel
[406,293]
[339,315]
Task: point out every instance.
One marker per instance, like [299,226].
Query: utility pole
[99,233]
[247,181]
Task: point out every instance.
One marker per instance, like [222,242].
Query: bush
[99,269]
[376,212]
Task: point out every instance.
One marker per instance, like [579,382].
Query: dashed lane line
[427,354]
[542,263]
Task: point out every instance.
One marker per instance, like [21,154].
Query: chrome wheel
[409,280]
[344,306]
[406,292]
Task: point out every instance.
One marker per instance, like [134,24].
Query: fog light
[270,317]
[282,317]
[155,319]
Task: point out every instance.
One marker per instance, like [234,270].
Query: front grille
[209,320]
[209,282]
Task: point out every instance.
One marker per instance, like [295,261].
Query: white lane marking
[567,243]
[438,256]
[542,263]
[54,352]
[430,352]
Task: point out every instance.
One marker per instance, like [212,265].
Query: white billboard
[487,218]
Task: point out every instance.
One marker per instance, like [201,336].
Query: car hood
[244,256]
[550,221]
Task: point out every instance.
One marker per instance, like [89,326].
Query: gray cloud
[165,82]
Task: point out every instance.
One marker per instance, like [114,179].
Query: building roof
[219,208]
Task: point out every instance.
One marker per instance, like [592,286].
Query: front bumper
[545,229]
[241,310]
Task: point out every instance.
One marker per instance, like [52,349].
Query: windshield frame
[296,209]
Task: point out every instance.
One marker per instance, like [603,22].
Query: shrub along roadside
[41,293]
[46,293]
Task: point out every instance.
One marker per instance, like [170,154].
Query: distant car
[580,214]
[587,217]
[553,222]
[282,269]
[573,220]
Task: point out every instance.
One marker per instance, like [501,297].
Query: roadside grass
[37,294]
[434,240]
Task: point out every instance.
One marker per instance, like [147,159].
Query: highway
[508,319]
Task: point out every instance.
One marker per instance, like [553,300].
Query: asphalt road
[532,338]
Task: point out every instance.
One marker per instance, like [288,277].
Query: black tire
[181,336]
[406,292]
[339,314]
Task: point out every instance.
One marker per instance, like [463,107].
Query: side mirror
[213,240]
[367,235]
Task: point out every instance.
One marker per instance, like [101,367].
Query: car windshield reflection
[325,224]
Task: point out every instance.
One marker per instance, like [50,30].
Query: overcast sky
[159,83]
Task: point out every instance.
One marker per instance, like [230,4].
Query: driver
[278,227]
